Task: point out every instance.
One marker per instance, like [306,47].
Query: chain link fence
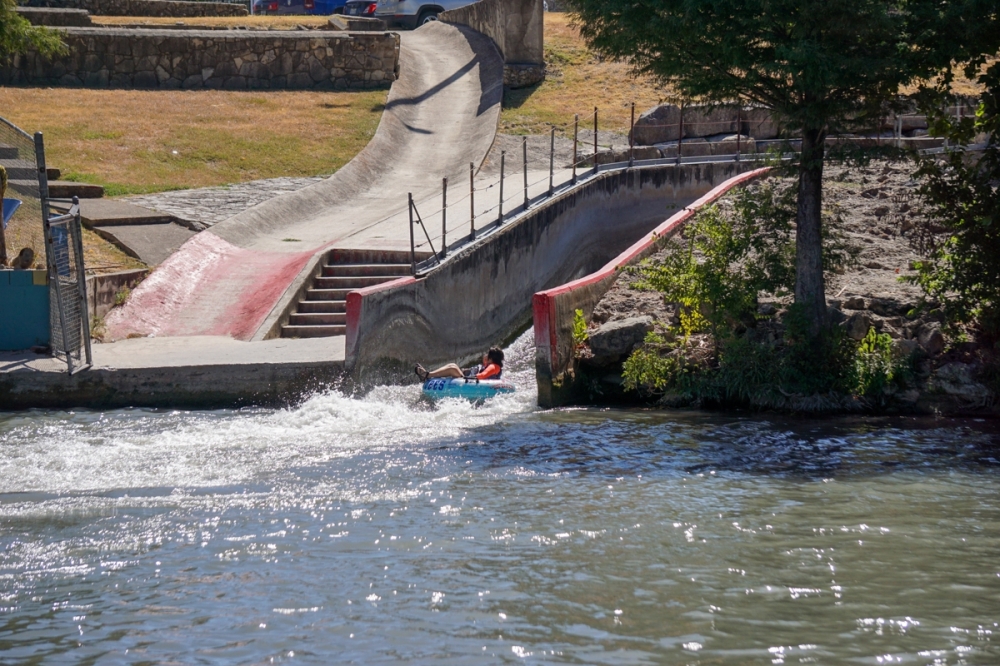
[70,323]
[24,230]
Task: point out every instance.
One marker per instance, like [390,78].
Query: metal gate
[70,322]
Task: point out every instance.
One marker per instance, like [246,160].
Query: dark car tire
[426,17]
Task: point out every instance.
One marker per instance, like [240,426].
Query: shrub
[961,234]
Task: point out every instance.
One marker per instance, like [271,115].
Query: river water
[382,529]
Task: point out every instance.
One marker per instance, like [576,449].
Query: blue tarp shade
[10,206]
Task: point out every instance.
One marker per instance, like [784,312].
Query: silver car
[414,13]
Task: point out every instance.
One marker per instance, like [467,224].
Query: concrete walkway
[441,115]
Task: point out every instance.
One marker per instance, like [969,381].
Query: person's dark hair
[495,355]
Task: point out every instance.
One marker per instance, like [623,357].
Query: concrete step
[64,189]
[317,319]
[373,257]
[327,294]
[322,306]
[349,282]
[26,187]
[322,331]
[21,172]
[370,270]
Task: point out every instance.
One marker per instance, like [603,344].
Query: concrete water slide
[235,279]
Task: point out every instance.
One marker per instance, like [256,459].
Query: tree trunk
[809,287]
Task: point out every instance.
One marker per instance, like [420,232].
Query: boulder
[958,380]
[857,325]
[854,303]
[931,339]
[618,338]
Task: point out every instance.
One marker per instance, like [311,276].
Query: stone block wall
[55,17]
[175,8]
[516,27]
[230,59]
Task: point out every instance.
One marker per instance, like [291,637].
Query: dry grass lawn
[134,141]
[577,81]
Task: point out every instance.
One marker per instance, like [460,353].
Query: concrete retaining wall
[483,294]
[516,27]
[103,289]
[553,311]
[178,8]
[232,60]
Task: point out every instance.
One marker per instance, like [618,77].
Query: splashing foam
[87,451]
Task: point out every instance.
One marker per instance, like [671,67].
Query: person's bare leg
[450,370]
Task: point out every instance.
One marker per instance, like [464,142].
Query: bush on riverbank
[724,333]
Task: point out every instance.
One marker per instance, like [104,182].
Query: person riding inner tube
[491,368]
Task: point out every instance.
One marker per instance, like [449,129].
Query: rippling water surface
[383,529]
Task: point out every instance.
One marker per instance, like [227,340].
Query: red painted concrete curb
[544,302]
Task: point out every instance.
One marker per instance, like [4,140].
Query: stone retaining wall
[516,27]
[56,17]
[177,8]
[231,60]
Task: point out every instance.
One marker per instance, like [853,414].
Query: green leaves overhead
[17,35]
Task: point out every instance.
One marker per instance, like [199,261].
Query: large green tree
[17,35]
[819,65]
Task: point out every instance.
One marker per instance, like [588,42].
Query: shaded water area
[382,529]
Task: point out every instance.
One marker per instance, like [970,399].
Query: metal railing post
[50,255]
[444,218]
[631,138]
[503,155]
[413,245]
[576,127]
[680,135]
[739,129]
[595,140]
[552,158]
[81,281]
[472,201]
[524,150]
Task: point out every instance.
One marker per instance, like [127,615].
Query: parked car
[364,8]
[413,13]
[324,7]
[279,6]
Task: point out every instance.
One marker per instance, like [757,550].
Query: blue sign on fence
[10,207]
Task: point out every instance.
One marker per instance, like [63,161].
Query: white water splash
[88,451]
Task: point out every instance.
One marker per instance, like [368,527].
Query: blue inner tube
[470,389]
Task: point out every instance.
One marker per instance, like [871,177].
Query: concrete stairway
[322,309]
